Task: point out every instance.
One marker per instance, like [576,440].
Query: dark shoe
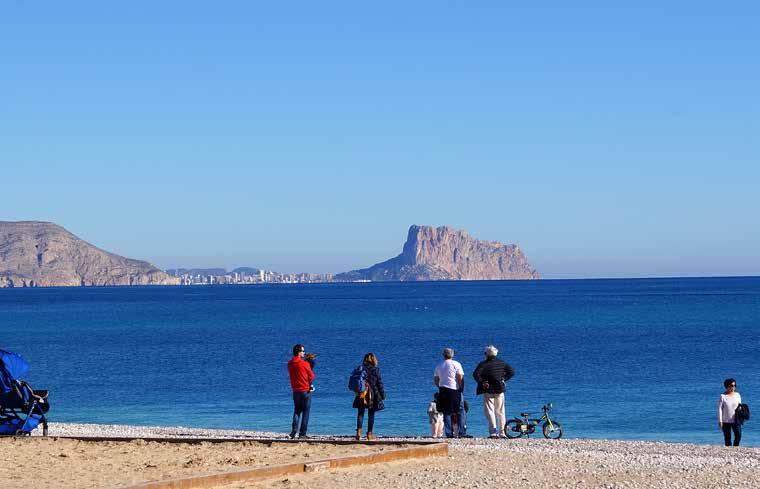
[303,437]
[292,435]
[465,436]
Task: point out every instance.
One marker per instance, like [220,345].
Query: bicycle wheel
[555,433]
[512,428]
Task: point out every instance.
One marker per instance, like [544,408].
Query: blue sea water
[626,359]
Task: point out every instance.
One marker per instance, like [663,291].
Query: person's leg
[488,409]
[462,417]
[359,417]
[447,425]
[371,421]
[306,407]
[726,434]
[296,413]
[462,420]
[439,427]
[737,433]
[501,418]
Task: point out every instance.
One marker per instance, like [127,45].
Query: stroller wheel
[20,433]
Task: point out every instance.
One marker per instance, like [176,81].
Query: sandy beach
[545,464]
[536,463]
[52,462]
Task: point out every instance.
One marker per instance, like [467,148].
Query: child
[312,359]
[435,418]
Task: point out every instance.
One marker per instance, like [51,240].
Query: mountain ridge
[45,254]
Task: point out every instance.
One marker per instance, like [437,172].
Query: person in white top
[727,405]
[449,378]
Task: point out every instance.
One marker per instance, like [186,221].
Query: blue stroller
[22,408]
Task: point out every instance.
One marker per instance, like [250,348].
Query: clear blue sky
[607,140]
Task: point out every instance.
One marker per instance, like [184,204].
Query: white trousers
[493,405]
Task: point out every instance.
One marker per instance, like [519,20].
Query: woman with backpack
[371,398]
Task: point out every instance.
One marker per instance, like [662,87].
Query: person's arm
[509,372]
[720,411]
[436,378]
[477,373]
[380,386]
[309,372]
[460,377]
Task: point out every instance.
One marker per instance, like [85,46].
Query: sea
[633,359]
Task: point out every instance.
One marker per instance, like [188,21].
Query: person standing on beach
[371,399]
[491,375]
[301,378]
[449,378]
[435,418]
[727,404]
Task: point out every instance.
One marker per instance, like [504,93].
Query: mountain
[445,253]
[43,254]
[247,271]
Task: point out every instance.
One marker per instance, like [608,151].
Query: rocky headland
[445,253]
[43,254]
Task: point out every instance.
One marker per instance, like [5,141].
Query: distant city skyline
[607,140]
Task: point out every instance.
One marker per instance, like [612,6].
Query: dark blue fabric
[15,365]
[12,367]
[356,381]
[10,426]
[18,412]
[301,408]
[370,419]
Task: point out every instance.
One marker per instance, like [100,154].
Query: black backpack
[742,413]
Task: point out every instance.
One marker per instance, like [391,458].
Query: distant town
[244,275]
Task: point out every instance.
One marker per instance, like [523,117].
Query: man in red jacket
[301,377]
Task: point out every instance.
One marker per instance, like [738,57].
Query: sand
[57,463]
[544,464]
[478,463]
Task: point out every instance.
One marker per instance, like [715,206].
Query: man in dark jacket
[491,375]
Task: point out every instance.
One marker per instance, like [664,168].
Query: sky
[607,140]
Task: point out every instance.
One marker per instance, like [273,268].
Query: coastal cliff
[445,253]
[43,254]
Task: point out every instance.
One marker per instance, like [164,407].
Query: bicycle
[526,426]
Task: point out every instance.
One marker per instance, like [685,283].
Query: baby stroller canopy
[22,408]
[12,366]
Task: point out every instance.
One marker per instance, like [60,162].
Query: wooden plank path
[209,481]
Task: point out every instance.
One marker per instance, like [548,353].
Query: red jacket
[301,375]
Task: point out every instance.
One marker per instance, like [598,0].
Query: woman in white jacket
[727,405]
